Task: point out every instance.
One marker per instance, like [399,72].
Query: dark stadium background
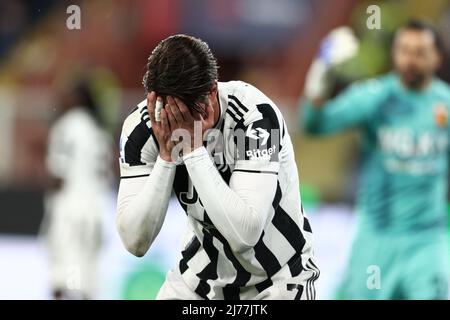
[267,43]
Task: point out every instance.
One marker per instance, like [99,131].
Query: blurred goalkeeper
[401,202]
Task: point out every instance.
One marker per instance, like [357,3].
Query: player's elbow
[309,121]
[315,130]
[240,245]
[132,242]
[311,128]
[249,235]
[135,249]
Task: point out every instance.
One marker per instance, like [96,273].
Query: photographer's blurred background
[267,43]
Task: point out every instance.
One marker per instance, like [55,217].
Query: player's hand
[161,129]
[192,123]
[208,118]
[338,46]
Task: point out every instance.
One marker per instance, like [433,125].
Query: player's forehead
[414,37]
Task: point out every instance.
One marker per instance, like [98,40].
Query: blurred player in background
[401,202]
[78,161]
[247,235]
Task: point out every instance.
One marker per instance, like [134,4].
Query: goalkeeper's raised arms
[337,47]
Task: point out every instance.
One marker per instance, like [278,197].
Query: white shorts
[298,288]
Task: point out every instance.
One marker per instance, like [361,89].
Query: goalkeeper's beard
[413,79]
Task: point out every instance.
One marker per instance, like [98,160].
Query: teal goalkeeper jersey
[403,184]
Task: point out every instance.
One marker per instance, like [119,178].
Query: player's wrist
[317,82]
[190,145]
[200,151]
[166,156]
[165,161]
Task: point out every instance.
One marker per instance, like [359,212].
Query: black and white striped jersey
[251,137]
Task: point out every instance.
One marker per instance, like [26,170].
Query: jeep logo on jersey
[257,134]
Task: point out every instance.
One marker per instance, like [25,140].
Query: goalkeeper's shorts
[408,266]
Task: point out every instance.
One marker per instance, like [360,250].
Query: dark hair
[181,66]
[420,25]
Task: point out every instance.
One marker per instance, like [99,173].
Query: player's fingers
[185,112]
[209,114]
[164,121]
[171,118]
[175,110]
[151,99]
[196,116]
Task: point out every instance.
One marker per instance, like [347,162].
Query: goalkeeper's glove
[337,47]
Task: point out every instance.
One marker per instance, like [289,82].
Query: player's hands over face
[161,129]
[195,124]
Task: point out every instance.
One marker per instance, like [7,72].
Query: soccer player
[78,148]
[400,247]
[247,236]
